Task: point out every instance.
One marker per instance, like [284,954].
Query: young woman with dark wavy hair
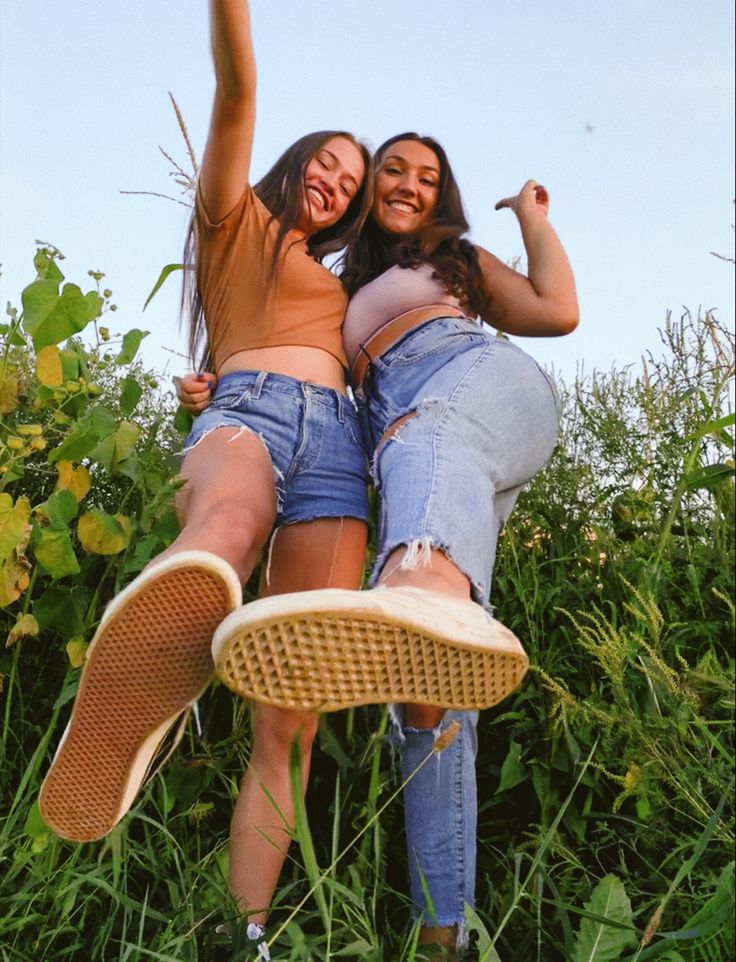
[458,420]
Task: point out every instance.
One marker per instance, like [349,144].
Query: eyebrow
[335,158]
[403,161]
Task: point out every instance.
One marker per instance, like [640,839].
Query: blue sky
[624,110]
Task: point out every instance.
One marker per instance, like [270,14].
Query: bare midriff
[303,363]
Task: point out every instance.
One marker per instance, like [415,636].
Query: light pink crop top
[396,291]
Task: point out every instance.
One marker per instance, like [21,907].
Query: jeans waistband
[256,383]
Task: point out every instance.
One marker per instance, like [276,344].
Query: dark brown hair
[281,190]
[440,243]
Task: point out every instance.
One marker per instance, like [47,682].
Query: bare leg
[326,553]
[228,505]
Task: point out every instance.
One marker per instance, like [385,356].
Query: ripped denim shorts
[311,433]
[481,420]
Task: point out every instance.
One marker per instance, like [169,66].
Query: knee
[276,730]
[245,525]
[423,716]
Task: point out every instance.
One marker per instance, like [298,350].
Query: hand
[195,390]
[531,197]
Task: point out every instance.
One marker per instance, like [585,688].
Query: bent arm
[226,161]
[544,303]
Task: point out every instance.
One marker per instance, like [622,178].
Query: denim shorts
[485,420]
[312,435]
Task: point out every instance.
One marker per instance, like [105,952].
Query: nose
[408,184]
[328,180]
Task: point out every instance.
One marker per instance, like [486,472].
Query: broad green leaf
[183,421]
[60,509]
[131,343]
[61,610]
[117,447]
[48,366]
[14,579]
[55,553]
[130,394]
[101,533]
[25,627]
[14,524]
[69,364]
[84,435]
[169,269]
[51,317]
[512,770]
[609,930]
[77,480]
[8,394]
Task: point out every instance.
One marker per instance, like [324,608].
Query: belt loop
[342,403]
[258,386]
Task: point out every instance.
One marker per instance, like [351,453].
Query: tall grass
[605,782]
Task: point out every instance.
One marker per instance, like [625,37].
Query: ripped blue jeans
[441,813]
[480,419]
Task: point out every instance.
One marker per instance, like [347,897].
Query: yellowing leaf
[55,553]
[14,580]
[76,649]
[77,480]
[14,526]
[101,533]
[48,366]
[26,626]
[8,394]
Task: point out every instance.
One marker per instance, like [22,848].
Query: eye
[344,190]
[391,170]
[322,164]
[428,182]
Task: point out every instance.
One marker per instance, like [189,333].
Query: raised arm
[226,161]
[544,303]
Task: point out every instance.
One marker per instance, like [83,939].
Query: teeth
[315,193]
[405,208]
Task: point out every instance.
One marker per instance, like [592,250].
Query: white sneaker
[332,649]
[149,660]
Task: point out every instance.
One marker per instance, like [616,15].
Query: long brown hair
[440,243]
[281,190]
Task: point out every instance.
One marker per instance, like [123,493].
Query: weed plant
[605,783]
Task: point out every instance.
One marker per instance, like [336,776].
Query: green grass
[605,783]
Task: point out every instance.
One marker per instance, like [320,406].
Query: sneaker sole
[149,660]
[322,651]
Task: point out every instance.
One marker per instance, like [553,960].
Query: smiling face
[332,178]
[407,187]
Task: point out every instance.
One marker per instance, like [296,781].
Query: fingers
[194,391]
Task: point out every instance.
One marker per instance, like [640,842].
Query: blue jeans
[481,420]
[312,435]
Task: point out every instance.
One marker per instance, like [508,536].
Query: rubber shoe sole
[333,649]
[149,660]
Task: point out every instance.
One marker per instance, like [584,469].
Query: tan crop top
[243,307]
[396,291]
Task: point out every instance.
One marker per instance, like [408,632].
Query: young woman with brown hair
[458,420]
[276,460]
